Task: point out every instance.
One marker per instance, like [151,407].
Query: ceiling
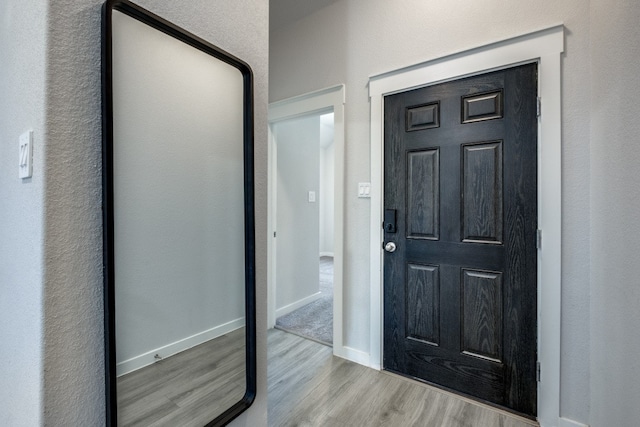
[285,12]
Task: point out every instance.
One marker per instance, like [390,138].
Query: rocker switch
[26,155]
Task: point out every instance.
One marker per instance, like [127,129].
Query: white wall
[23,38]
[327,181]
[350,40]
[615,213]
[297,219]
[57,43]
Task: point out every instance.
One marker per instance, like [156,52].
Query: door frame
[327,100]
[545,48]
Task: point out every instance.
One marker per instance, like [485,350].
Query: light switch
[364,190]
[312,196]
[26,155]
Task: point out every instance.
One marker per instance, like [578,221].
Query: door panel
[423,308]
[460,289]
[481,193]
[482,314]
[423,195]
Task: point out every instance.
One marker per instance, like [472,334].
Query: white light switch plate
[26,155]
[312,196]
[364,190]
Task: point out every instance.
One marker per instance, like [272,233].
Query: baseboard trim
[566,422]
[329,254]
[352,354]
[148,358]
[296,305]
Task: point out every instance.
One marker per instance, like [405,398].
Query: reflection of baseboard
[296,305]
[148,358]
[329,254]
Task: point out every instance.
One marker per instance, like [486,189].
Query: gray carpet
[314,320]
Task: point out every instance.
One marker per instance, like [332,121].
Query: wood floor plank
[308,386]
[197,410]
[146,410]
[187,389]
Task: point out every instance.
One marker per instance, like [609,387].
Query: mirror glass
[178,222]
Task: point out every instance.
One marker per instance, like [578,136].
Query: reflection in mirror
[178,226]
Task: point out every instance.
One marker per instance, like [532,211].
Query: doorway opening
[304,199]
[306,182]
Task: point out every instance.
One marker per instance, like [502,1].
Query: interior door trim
[544,47]
[323,100]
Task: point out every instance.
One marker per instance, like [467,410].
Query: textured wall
[74,369]
[615,209]
[22,107]
[350,40]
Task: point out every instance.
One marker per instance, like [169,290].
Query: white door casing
[322,101]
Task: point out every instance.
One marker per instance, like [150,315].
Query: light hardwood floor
[190,388]
[309,387]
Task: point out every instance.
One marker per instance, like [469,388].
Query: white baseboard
[330,254]
[353,355]
[148,358]
[566,422]
[296,305]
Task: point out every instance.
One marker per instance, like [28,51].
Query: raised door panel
[482,188]
[482,314]
[423,299]
[423,117]
[486,106]
[423,194]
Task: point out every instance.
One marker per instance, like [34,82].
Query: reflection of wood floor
[187,389]
[310,387]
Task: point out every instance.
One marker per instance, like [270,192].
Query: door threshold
[528,419]
[289,331]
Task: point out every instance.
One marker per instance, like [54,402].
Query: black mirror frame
[172,30]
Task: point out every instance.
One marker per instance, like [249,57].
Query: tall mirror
[178,225]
